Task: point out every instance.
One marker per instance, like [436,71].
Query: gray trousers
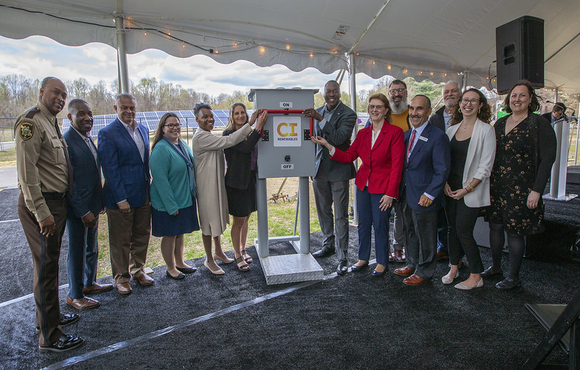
[421,239]
[325,194]
[398,226]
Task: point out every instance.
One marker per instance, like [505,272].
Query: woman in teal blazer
[172,194]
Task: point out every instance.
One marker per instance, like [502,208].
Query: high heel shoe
[448,279]
[218,271]
[224,260]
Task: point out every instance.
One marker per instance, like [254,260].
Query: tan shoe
[124,288]
[82,303]
[97,288]
[144,279]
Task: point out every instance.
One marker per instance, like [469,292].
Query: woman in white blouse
[472,142]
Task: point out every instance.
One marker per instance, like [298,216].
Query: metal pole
[121,48]
[262,208]
[352,80]
[577,131]
[304,215]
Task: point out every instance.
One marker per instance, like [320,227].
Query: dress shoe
[342,268]
[124,288]
[180,276]
[355,268]
[508,283]
[399,256]
[186,270]
[217,271]
[225,260]
[82,303]
[442,256]
[64,343]
[66,319]
[414,280]
[391,257]
[144,279]
[404,271]
[489,272]
[375,273]
[97,288]
[462,286]
[449,279]
[324,252]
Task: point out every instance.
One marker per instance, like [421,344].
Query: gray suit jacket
[337,132]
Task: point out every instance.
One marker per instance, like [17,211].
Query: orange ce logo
[292,127]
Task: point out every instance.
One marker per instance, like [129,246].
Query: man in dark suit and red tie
[85,203]
[427,164]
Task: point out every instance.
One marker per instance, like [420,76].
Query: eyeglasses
[173,125]
[371,107]
[399,90]
[470,101]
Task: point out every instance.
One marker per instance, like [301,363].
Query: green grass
[8,158]
[280,223]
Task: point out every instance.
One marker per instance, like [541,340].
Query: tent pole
[352,84]
[121,49]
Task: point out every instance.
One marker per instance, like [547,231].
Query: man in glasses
[400,117]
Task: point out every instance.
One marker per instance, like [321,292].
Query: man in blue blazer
[85,203]
[124,154]
[427,165]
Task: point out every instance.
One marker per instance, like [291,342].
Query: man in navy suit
[335,123]
[124,155]
[85,202]
[427,165]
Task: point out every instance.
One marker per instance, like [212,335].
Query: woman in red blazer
[381,150]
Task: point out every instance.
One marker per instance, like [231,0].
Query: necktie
[411,141]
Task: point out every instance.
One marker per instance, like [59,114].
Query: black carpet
[236,321]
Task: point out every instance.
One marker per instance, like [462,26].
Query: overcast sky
[37,57]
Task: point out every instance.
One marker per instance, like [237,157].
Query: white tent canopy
[426,39]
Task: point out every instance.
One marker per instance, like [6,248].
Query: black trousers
[461,224]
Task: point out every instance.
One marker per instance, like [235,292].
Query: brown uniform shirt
[40,159]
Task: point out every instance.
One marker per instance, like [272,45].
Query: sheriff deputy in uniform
[43,179]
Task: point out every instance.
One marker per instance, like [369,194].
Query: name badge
[423,138]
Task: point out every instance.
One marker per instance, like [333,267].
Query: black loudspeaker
[519,47]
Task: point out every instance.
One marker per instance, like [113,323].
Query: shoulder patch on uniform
[26,130]
[32,112]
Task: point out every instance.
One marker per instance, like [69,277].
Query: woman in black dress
[525,152]
[241,180]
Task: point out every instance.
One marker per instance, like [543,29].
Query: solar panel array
[186,117]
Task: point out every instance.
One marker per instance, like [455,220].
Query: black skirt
[242,202]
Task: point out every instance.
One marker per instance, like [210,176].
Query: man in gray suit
[335,122]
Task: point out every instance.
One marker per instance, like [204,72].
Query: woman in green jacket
[172,194]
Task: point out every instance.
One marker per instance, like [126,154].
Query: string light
[405,71]
[216,51]
[183,45]
[262,50]
[389,67]
[311,55]
[169,33]
[287,47]
[145,32]
[431,73]
[235,44]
